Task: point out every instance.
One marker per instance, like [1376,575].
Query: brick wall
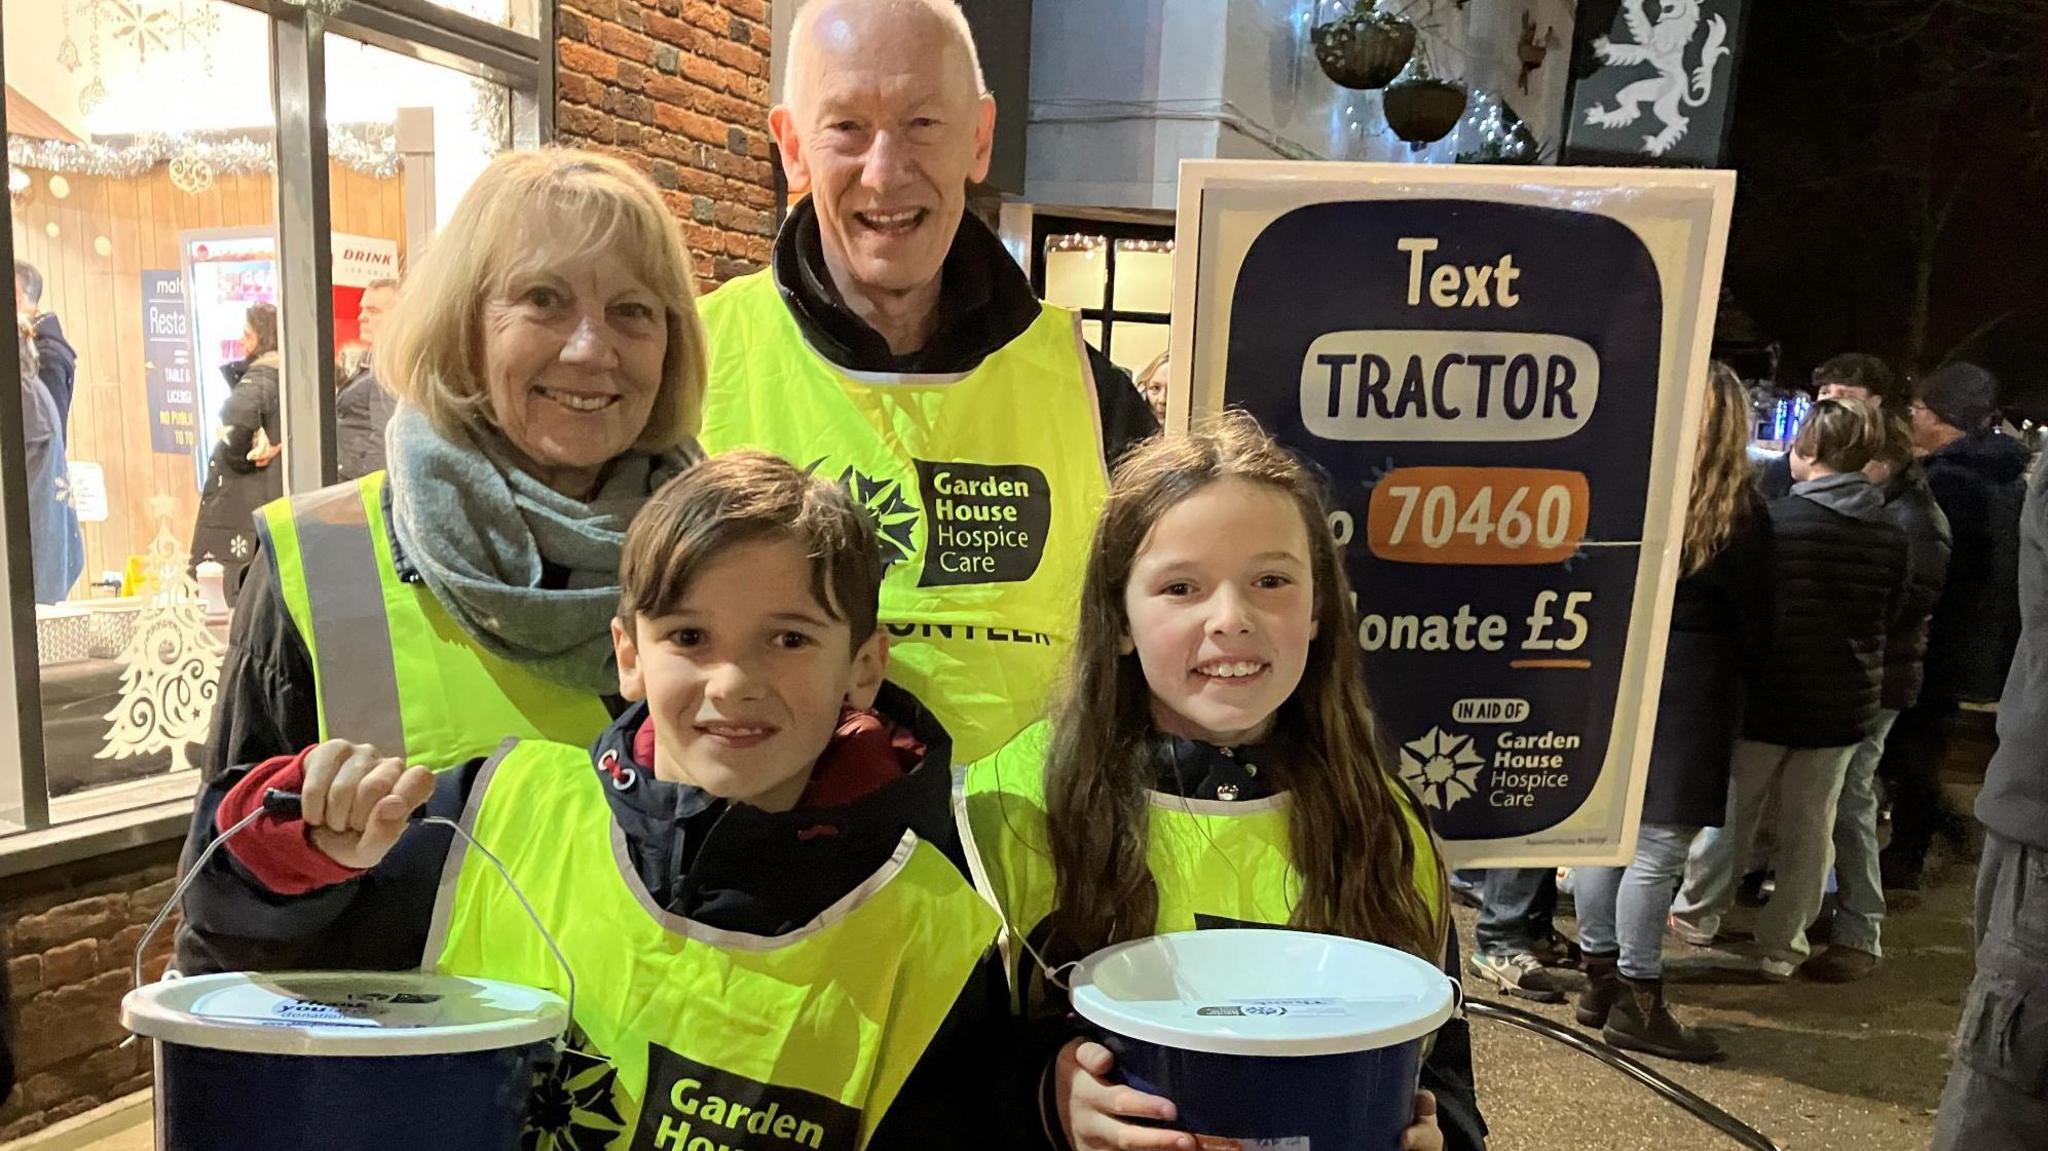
[678,88]
[69,936]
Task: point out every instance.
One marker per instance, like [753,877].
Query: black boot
[1641,1022]
[1603,987]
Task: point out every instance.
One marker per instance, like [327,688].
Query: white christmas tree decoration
[171,667]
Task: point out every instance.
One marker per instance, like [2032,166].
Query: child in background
[1214,667]
[784,836]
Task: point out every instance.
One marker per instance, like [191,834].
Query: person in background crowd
[1515,945]
[1720,632]
[1849,376]
[56,548]
[1153,383]
[1995,1099]
[56,359]
[895,345]
[1855,933]
[1976,476]
[551,366]
[243,474]
[1840,574]
[362,405]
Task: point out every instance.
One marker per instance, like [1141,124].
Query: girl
[1719,629]
[1212,763]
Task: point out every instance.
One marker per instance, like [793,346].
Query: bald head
[885,123]
[829,29]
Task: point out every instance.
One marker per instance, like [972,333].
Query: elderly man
[362,405]
[894,345]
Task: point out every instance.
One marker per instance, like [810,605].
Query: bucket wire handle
[280,804]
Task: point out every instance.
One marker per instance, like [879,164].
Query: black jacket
[1978,482]
[1841,578]
[727,866]
[1201,771]
[1719,637]
[56,365]
[2014,802]
[361,410]
[985,301]
[236,487]
[1910,504]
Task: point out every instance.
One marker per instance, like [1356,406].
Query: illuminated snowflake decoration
[1442,768]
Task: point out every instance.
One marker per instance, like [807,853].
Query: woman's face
[249,340]
[572,355]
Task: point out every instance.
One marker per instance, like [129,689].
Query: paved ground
[1815,1067]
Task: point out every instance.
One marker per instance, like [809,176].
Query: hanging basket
[1423,109]
[1364,48]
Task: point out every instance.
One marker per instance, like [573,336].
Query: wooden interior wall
[99,300]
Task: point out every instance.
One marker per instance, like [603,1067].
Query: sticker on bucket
[1213,1143]
[1274,1008]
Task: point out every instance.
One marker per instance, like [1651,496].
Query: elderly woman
[550,365]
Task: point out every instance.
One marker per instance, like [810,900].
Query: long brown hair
[1721,473]
[1350,839]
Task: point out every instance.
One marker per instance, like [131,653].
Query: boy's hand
[1093,1110]
[1424,1134]
[356,803]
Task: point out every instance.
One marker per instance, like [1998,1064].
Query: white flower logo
[1442,768]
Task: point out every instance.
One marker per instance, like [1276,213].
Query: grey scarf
[480,530]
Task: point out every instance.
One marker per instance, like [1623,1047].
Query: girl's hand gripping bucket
[1272,1040]
[343,1060]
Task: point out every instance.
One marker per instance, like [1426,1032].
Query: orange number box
[1477,515]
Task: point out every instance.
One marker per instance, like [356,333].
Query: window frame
[1044,227]
[521,61]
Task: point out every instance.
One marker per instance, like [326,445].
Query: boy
[784,928]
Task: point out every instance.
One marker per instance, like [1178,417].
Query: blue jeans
[1859,912]
[1515,909]
[1623,909]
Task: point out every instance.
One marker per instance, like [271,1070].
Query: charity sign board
[1499,370]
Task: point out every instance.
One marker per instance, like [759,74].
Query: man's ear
[870,668]
[627,649]
[984,139]
[782,125]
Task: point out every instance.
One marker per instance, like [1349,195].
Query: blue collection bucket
[392,1061]
[1269,1040]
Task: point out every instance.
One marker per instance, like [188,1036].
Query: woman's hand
[261,450]
[1093,1110]
[356,803]
[1423,1134]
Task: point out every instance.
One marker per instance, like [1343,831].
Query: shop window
[1119,276]
[142,148]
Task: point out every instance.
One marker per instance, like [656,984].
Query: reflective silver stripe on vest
[351,636]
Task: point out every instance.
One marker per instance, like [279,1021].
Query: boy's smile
[745,677]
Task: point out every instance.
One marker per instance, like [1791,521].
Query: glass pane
[1144,276]
[1137,344]
[1075,271]
[1091,331]
[408,139]
[504,13]
[142,170]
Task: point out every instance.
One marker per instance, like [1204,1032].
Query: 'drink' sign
[1498,370]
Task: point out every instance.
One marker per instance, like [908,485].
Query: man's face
[1927,428]
[370,314]
[745,678]
[1837,390]
[885,133]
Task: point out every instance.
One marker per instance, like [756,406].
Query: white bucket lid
[1251,991]
[343,1013]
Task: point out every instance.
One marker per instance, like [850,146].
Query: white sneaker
[1776,970]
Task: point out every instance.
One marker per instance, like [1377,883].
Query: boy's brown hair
[748,497]
[1840,435]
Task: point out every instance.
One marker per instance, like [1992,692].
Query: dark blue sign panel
[1480,380]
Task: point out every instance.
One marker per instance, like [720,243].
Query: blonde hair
[1720,469]
[1840,435]
[526,206]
